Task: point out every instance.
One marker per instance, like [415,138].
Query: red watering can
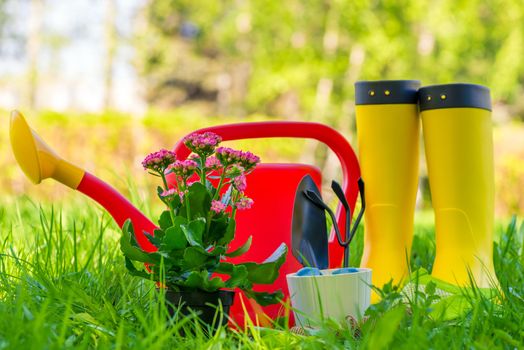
[272,186]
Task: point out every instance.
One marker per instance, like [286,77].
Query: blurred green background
[107,81]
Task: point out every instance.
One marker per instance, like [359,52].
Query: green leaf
[175,237]
[218,250]
[199,201]
[265,298]
[229,233]
[238,277]
[225,267]
[244,275]
[199,257]
[194,231]
[214,284]
[154,240]
[165,221]
[385,328]
[195,257]
[242,249]
[175,203]
[173,200]
[132,252]
[159,191]
[200,280]
[217,228]
[159,233]
[134,271]
[431,287]
[267,272]
[196,279]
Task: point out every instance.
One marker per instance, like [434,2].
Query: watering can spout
[39,162]
[36,159]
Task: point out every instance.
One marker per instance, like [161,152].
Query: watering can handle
[323,133]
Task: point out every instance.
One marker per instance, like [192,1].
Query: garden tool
[314,197]
[309,238]
[273,188]
[458,140]
[388,141]
[350,233]
[39,162]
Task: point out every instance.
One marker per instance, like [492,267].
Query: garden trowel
[309,237]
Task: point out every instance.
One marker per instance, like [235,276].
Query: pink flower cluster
[183,168]
[168,194]
[244,203]
[172,192]
[212,163]
[240,182]
[218,206]
[202,144]
[158,161]
[228,156]
[232,166]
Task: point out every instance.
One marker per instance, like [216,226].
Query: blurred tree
[34,40]
[302,58]
[111,38]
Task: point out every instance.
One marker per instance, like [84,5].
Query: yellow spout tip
[24,147]
[36,159]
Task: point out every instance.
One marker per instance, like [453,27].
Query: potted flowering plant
[197,227]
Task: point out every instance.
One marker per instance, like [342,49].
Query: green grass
[63,285]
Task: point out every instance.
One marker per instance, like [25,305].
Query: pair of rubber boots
[457,131]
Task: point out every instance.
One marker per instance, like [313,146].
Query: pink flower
[228,156]
[240,182]
[244,203]
[202,144]
[168,193]
[158,161]
[171,193]
[213,163]
[183,168]
[218,206]
[248,160]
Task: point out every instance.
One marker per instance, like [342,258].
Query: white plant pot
[329,296]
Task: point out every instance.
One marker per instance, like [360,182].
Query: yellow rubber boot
[388,130]
[459,151]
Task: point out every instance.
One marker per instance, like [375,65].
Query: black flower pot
[204,304]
